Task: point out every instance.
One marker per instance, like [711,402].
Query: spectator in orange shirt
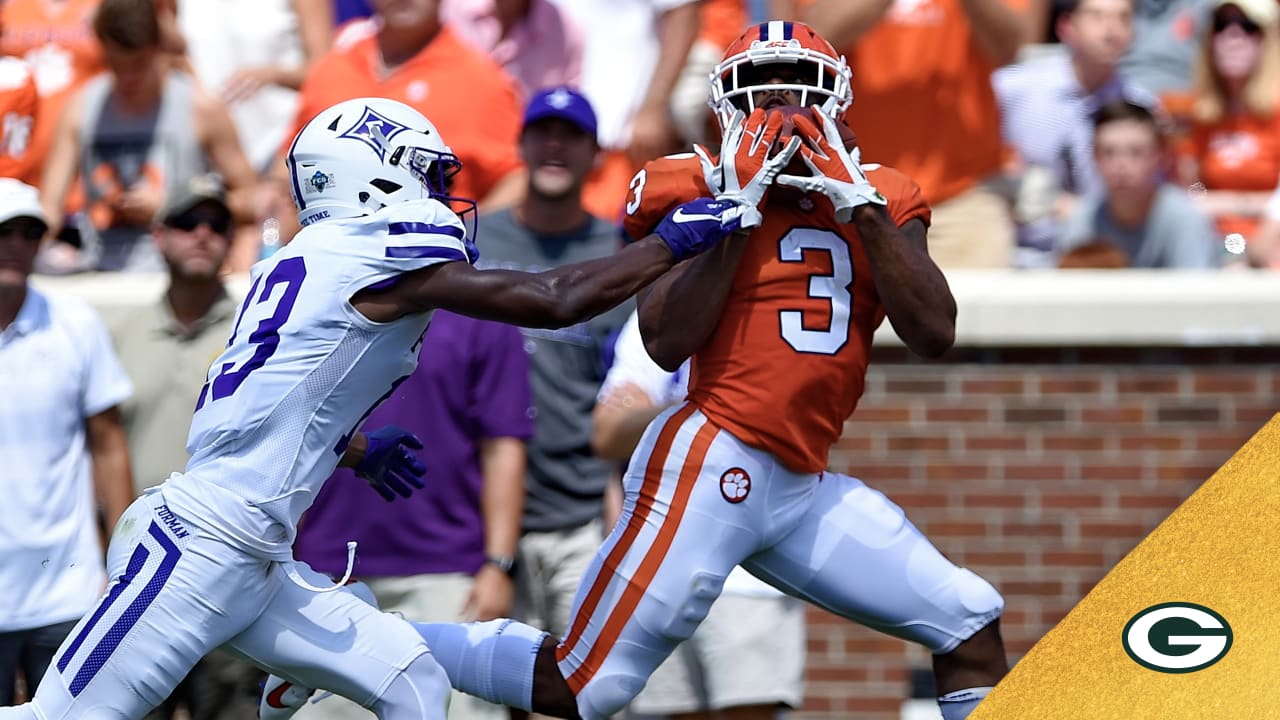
[410,56]
[1234,145]
[58,44]
[19,103]
[923,103]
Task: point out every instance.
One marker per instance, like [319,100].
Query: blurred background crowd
[150,136]
[1077,132]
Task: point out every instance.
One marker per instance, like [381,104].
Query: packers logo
[1177,637]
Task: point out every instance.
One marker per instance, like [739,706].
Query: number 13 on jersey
[264,339]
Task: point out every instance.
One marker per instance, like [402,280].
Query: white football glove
[837,172]
[745,170]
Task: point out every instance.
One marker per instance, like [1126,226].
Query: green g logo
[1177,637]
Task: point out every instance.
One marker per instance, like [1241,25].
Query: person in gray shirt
[566,483]
[1155,224]
[1166,38]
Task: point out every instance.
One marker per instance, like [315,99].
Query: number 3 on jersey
[835,288]
[266,337]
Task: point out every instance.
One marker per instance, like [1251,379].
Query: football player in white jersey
[331,323]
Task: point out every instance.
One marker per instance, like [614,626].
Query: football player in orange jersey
[779,328]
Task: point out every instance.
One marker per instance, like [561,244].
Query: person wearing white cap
[62,443]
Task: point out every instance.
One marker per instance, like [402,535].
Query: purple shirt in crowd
[472,383]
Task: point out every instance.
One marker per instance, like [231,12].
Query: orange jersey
[465,94]
[1240,153]
[786,364]
[924,98]
[56,39]
[18,111]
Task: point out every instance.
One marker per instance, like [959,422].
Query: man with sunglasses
[167,347]
[62,444]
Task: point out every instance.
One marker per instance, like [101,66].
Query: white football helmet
[362,155]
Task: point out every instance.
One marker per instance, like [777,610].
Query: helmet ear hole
[364,197]
[385,185]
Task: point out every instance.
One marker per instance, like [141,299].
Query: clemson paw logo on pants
[735,484]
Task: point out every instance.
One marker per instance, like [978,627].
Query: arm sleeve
[104,383]
[500,394]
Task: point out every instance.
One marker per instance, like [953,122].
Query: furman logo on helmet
[376,131]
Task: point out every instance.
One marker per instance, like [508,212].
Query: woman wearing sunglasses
[1233,146]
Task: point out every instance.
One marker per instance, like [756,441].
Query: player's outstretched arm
[562,296]
[912,288]
[554,298]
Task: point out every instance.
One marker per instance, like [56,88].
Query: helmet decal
[375,131]
[320,180]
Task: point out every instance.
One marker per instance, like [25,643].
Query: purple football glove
[390,464]
[698,225]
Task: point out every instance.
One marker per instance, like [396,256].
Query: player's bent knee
[607,695]
[977,603]
[419,691]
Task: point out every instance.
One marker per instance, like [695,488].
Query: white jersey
[302,370]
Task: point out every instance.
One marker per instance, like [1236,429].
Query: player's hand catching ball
[837,171]
[746,170]
[390,464]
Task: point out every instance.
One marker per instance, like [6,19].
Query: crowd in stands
[991,105]
[151,136]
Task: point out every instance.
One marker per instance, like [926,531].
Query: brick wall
[1039,470]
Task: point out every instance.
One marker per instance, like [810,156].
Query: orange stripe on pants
[649,567]
[644,506]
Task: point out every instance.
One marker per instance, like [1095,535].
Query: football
[789,112]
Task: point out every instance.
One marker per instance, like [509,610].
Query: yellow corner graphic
[1118,656]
